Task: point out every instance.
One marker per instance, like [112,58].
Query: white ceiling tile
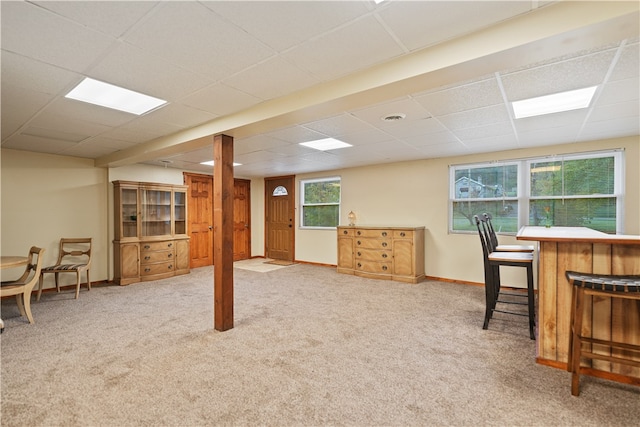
[112,18]
[421,127]
[220,99]
[406,106]
[628,65]
[467,96]
[338,125]
[174,114]
[34,32]
[55,120]
[366,137]
[346,50]
[296,134]
[501,129]
[24,104]
[282,25]
[133,68]
[256,156]
[89,112]
[613,128]
[36,76]
[89,151]
[576,73]
[256,143]
[35,143]
[475,118]
[614,111]
[440,138]
[270,79]
[425,23]
[573,119]
[620,91]
[212,46]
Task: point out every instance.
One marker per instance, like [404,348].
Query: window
[320,200]
[570,190]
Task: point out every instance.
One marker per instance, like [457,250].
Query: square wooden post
[223,235]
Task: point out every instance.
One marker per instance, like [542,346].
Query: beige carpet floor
[310,347]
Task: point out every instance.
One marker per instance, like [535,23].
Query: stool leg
[531,301]
[577,343]
[572,321]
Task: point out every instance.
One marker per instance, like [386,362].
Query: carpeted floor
[310,347]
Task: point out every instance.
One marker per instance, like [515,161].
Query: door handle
[211,227]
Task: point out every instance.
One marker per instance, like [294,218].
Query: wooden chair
[494,294]
[23,286]
[611,286]
[74,256]
[503,248]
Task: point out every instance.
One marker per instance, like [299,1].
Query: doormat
[279,262]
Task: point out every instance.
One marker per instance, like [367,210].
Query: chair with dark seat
[494,293]
[23,286]
[611,286]
[503,248]
[74,256]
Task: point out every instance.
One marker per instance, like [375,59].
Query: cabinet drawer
[159,268]
[403,234]
[155,246]
[158,256]
[345,232]
[373,267]
[373,233]
[373,243]
[373,254]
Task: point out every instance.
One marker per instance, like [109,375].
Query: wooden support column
[223,235]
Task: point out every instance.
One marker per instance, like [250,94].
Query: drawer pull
[384,267]
[147,247]
[345,232]
[384,234]
[359,253]
[170,266]
[169,245]
[402,234]
[359,242]
[359,265]
[146,270]
[384,255]
[169,255]
[359,233]
[384,244]
[147,258]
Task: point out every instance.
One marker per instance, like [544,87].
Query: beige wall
[45,197]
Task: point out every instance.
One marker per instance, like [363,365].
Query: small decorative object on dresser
[389,253]
[151,240]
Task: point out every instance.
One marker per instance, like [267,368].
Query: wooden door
[200,210]
[241,219]
[279,218]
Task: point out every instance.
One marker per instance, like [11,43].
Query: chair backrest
[485,235]
[492,232]
[75,251]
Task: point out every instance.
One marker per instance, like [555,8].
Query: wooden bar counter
[589,251]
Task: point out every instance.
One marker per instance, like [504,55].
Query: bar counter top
[574,234]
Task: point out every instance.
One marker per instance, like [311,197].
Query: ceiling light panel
[326,144]
[115,97]
[554,103]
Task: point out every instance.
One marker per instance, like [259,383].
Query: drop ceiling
[274,74]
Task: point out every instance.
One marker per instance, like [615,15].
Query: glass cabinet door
[156,213]
[180,212]
[129,201]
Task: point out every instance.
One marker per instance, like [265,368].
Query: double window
[570,190]
[320,202]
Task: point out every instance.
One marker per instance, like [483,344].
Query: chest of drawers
[391,253]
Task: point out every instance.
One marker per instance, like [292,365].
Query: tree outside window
[320,200]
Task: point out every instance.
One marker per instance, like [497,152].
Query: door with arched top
[279,218]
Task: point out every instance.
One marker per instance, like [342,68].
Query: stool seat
[606,285]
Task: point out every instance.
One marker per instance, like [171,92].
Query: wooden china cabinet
[151,240]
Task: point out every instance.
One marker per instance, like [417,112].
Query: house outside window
[320,203]
[570,190]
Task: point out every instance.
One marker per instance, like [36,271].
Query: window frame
[524,196]
[303,204]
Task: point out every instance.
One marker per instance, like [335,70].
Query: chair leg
[27,306]
[489,296]
[40,282]
[77,283]
[19,298]
[88,281]
[577,344]
[57,283]
[531,301]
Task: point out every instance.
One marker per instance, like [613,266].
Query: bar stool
[503,248]
[493,260]
[613,286]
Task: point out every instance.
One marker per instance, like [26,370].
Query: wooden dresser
[388,253]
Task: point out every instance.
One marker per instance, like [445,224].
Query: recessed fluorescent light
[210,163]
[326,144]
[110,96]
[554,103]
